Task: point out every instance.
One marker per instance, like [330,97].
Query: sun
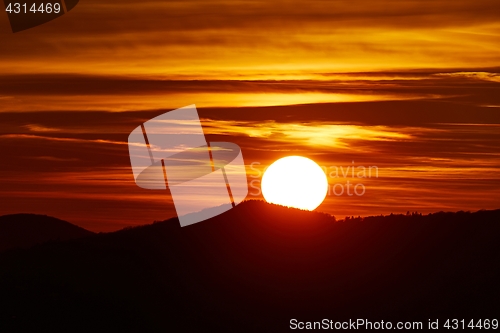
[295,181]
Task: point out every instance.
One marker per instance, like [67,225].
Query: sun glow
[295,181]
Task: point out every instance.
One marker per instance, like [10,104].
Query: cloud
[39,128]
[124,93]
[309,134]
[53,158]
[59,139]
[485,76]
[257,37]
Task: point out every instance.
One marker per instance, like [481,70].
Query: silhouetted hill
[27,230]
[255,268]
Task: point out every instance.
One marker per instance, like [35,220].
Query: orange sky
[249,38]
[242,40]
[409,86]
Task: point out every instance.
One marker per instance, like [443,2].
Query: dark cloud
[479,87]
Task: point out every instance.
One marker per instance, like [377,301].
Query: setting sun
[295,181]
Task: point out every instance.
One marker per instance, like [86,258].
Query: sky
[409,87]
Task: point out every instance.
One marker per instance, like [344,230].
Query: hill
[255,268]
[27,230]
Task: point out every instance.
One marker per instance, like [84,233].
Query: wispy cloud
[50,138]
[53,158]
[485,76]
[309,134]
[40,128]
[46,92]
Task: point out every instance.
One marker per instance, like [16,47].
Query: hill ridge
[25,230]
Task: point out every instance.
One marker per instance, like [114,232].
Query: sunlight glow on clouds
[308,134]
[224,37]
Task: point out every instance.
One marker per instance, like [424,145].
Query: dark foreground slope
[27,230]
[255,268]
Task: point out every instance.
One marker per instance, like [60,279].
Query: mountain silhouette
[253,269]
[27,230]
